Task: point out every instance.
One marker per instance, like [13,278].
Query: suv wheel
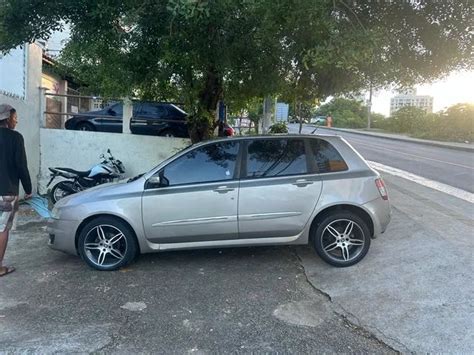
[106,243]
[85,126]
[167,133]
[342,239]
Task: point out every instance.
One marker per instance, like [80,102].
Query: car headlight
[55,213]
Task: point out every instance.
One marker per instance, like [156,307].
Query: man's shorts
[6,217]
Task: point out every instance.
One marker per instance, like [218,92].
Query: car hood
[103,192]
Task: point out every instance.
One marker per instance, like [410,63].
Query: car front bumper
[62,235]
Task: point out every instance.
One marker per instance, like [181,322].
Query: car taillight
[382,189]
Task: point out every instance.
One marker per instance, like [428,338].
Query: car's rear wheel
[85,126]
[342,239]
[107,243]
[167,133]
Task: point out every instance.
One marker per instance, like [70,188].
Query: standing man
[13,169]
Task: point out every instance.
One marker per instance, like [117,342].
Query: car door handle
[302,182]
[224,189]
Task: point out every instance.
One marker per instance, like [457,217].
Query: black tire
[107,256]
[167,133]
[338,245]
[85,126]
[58,191]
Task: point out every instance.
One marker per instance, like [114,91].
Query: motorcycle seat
[69,170]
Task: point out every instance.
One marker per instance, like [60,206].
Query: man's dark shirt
[13,165]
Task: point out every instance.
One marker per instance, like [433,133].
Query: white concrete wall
[28,108]
[80,150]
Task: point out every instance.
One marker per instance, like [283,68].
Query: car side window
[155,111]
[276,157]
[328,159]
[115,110]
[213,162]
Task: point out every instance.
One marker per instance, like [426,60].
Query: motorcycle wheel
[58,191]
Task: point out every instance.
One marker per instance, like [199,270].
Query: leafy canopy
[200,51]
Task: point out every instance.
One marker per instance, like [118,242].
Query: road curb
[403,139]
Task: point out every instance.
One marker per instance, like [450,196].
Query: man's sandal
[5,270]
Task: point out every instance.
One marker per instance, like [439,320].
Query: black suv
[163,119]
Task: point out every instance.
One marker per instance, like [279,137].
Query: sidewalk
[468,147]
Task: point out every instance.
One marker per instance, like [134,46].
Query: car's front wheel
[342,239]
[107,243]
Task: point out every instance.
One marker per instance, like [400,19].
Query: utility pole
[267,112]
[369,105]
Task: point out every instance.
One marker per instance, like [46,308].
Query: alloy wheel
[105,245]
[343,240]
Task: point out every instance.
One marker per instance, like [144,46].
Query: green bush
[407,120]
[345,113]
[279,127]
[454,124]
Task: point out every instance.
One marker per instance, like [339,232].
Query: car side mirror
[111,112]
[157,181]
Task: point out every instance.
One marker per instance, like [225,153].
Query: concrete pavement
[249,300]
[414,289]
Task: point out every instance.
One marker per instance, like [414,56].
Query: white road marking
[412,155]
[450,190]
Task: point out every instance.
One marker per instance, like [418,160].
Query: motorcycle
[106,171]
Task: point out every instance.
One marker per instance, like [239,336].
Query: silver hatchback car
[245,191]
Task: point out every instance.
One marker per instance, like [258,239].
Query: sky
[458,87]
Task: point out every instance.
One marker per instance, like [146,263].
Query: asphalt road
[448,166]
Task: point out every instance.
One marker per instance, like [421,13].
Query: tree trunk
[203,122]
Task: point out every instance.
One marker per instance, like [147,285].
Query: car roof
[329,137]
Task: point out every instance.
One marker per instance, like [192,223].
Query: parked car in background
[245,191]
[163,119]
[150,118]
[294,119]
[319,120]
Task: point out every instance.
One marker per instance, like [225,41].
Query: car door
[150,119]
[110,119]
[279,189]
[196,199]
[176,122]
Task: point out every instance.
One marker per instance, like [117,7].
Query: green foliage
[345,113]
[407,119]
[200,51]
[279,127]
[255,112]
[453,124]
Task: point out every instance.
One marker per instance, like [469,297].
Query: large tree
[201,51]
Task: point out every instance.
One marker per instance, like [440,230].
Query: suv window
[155,111]
[214,162]
[276,157]
[328,159]
[114,110]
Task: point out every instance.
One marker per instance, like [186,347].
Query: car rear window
[328,159]
[276,157]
